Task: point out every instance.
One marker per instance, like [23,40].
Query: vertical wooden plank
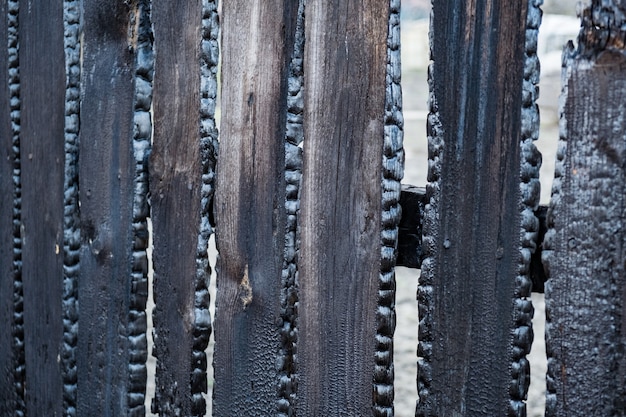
[8,354]
[471,343]
[586,289]
[180,316]
[340,252]
[42,83]
[257,42]
[106,196]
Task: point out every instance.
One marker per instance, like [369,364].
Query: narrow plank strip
[470,343]
[175,186]
[42,80]
[257,42]
[106,195]
[585,251]
[8,394]
[341,205]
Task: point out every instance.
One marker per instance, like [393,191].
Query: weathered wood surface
[42,155]
[585,251]
[106,177]
[340,252]
[180,315]
[257,40]
[474,316]
[8,354]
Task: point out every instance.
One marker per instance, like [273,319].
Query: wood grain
[106,177]
[257,43]
[345,66]
[175,186]
[470,344]
[42,88]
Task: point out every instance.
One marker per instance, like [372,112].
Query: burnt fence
[107,124]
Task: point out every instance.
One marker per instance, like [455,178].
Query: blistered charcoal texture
[393,171]
[209,57]
[19,371]
[287,373]
[584,250]
[142,132]
[530,163]
[71,219]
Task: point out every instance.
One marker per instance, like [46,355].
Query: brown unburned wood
[42,89]
[340,253]
[257,42]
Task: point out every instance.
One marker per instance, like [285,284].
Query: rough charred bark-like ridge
[71,220]
[209,57]
[294,135]
[19,370]
[584,256]
[142,132]
[392,173]
[530,164]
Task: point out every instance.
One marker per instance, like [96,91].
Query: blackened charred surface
[469,274]
[537,271]
[175,197]
[106,177]
[258,42]
[8,354]
[42,150]
[341,205]
[410,251]
[584,247]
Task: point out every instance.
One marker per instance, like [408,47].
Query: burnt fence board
[106,196]
[340,253]
[175,185]
[42,156]
[585,251]
[471,346]
[7,353]
[257,42]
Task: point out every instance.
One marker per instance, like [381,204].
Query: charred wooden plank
[584,249]
[41,117]
[341,205]
[258,41]
[181,321]
[469,283]
[106,186]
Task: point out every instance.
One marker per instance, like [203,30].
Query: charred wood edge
[137,319]
[413,251]
[602,24]
[428,235]
[294,136]
[71,218]
[19,370]
[209,57]
[530,190]
[392,173]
